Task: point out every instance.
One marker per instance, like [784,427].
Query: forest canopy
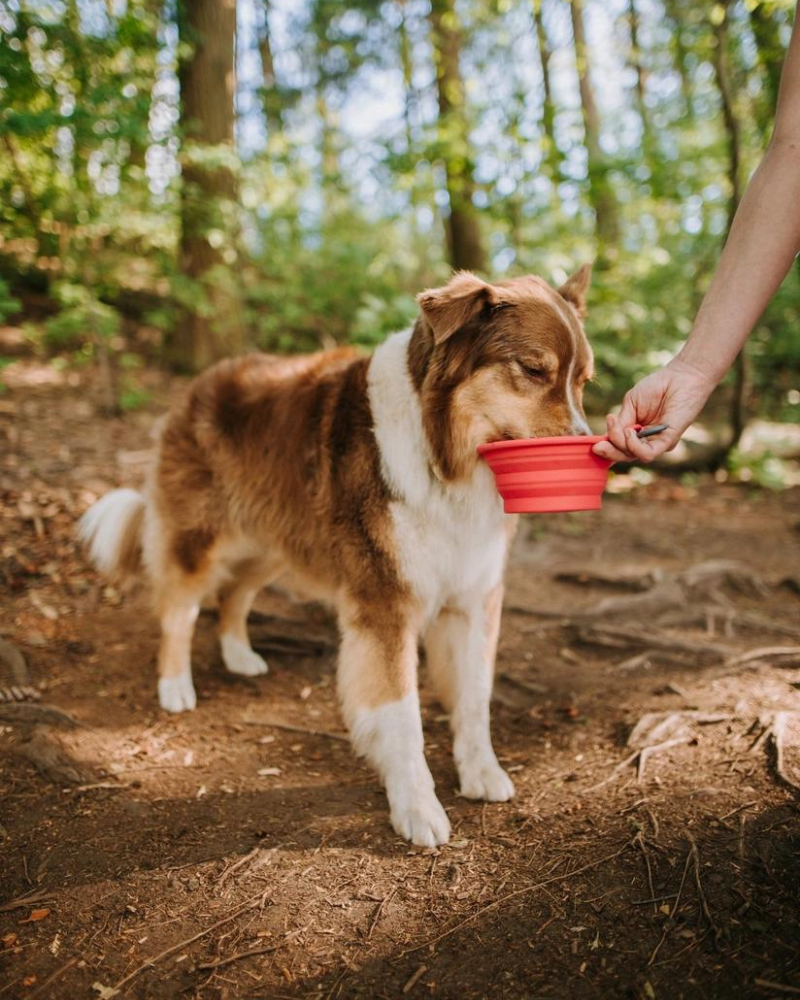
[181,179]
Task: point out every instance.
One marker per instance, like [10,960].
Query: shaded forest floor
[242,851]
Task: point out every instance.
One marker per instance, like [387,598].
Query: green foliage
[338,222]
[9,305]
[82,323]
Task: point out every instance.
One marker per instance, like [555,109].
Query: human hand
[673,395]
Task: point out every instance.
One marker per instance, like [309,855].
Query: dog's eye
[532,371]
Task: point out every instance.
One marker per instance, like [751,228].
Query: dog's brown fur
[269,465]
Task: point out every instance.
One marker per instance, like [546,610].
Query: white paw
[424,822]
[485,779]
[176,694]
[240,659]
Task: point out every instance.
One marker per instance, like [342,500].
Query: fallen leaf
[9,940]
[29,980]
[264,772]
[104,992]
[36,915]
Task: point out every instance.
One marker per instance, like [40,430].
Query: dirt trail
[241,850]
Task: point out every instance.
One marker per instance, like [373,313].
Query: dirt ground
[242,851]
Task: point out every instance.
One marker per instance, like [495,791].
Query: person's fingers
[605,449]
[630,411]
[648,449]
[616,434]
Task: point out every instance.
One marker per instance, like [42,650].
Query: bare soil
[242,851]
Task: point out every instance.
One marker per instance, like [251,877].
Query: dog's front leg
[460,645]
[377,680]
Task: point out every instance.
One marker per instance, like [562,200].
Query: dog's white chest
[452,549]
[450,539]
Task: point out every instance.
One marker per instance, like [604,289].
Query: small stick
[738,809]
[241,954]
[703,901]
[295,729]
[251,902]
[639,839]
[513,895]
[674,910]
[778,987]
[412,982]
[20,901]
[51,979]
[386,899]
[238,864]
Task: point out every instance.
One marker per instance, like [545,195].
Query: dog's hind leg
[235,601]
[377,680]
[460,645]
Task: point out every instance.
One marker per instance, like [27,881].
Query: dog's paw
[485,780]
[424,823]
[240,659]
[176,694]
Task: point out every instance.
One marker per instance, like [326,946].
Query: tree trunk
[600,192]
[771,53]
[270,98]
[462,230]
[738,413]
[211,323]
[553,154]
[641,77]
[680,53]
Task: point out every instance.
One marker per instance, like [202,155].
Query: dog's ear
[575,288]
[448,308]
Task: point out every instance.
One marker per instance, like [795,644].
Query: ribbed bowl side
[548,477]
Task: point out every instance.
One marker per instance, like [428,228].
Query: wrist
[698,367]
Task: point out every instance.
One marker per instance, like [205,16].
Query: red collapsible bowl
[547,475]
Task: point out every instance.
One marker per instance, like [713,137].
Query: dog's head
[498,361]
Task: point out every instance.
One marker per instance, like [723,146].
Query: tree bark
[210,325]
[771,53]
[680,53]
[553,155]
[600,192]
[641,76]
[738,411]
[462,231]
[270,98]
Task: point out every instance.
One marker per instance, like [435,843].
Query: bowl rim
[587,439]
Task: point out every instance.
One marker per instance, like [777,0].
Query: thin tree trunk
[672,9]
[270,98]
[464,245]
[738,412]
[641,76]
[211,324]
[771,53]
[553,155]
[600,192]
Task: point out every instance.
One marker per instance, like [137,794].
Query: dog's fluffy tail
[112,530]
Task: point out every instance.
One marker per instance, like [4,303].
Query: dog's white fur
[449,541]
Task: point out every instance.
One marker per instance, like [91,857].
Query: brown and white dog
[359,475]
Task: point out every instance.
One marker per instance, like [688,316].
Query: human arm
[762,243]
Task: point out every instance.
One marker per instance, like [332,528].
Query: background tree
[365,150]
[210,323]
[464,242]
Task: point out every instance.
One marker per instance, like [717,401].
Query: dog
[359,476]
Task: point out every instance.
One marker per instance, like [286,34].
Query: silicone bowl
[546,475]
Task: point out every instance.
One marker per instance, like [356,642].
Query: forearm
[763,241]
